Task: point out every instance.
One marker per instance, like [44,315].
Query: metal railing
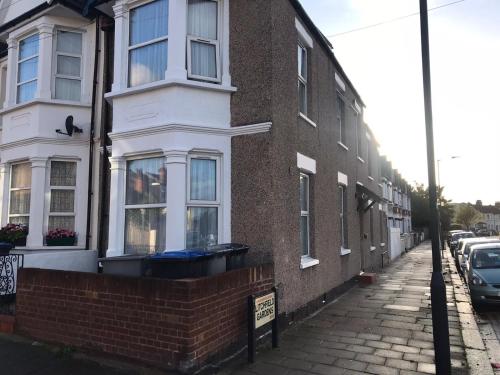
[9,266]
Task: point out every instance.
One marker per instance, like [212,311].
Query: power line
[392,20]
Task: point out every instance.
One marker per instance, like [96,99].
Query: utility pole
[438,288]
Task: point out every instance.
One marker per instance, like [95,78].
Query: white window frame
[58,53]
[344,242]
[302,79]
[192,203]
[51,187]
[341,120]
[216,43]
[139,206]
[143,44]
[11,189]
[306,214]
[20,61]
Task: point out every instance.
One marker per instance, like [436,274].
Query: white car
[463,250]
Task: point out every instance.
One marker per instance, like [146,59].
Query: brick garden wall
[175,324]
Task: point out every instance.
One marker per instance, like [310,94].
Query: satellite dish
[70,127]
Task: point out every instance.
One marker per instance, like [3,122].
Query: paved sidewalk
[385,328]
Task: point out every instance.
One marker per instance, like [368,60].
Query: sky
[384,64]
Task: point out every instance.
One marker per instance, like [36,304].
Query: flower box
[64,241]
[20,242]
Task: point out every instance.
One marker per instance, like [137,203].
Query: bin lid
[182,255]
[228,248]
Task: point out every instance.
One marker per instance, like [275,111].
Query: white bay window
[203,202]
[145,206]
[68,56]
[20,193]
[148,43]
[62,195]
[203,41]
[27,68]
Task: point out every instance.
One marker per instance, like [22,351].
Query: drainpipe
[92,130]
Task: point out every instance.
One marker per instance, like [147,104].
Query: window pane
[23,220]
[145,230]
[148,64]
[203,179]
[28,70]
[62,173]
[149,22]
[304,234]
[21,175]
[304,193]
[202,19]
[203,59]
[20,202]
[146,181]
[68,89]
[28,47]
[69,66]
[302,98]
[62,222]
[302,59]
[69,42]
[62,200]
[26,92]
[201,227]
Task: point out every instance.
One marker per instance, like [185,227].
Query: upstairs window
[341,119]
[20,194]
[302,82]
[68,81]
[62,195]
[359,134]
[148,43]
[203,41]
[27,68]
[369,157]
[145,206]
[203,202]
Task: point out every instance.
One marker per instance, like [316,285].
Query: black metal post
[251,329]
[275,331]
[438,288]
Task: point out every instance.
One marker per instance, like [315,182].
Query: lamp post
[440,330]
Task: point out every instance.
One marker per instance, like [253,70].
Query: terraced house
[152,125]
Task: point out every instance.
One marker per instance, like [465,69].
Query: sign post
[262,310]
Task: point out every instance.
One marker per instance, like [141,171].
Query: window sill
[373,248]
[371,178]
[43,101]
[169,83]
[361,159]
[344,251]
[307,119]
[343,146]
[307,262]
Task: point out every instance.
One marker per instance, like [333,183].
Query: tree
[420,211]
[467,216]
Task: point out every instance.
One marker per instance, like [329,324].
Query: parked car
[451,233]
[483,274]
[457,236]
[463,249]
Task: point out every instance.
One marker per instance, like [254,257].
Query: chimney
[479,203]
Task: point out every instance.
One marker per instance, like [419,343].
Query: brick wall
[175,324]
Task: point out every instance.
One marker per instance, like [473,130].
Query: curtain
[68,89]
[28,69]
[21,175]
[148,22]
[145,230]
[203,180]
[62,200]
[146,181]
[28,47]
[201,227]
[202,23]
[202,19]
[63,173]
[62,222]
[148,64]
[69,42]
[20,202]
[26,92]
